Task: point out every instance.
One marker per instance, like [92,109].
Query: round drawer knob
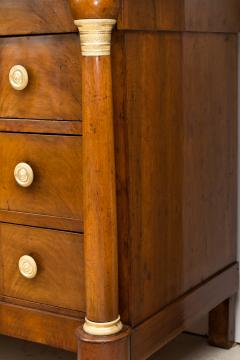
[27,267]
[18,77]
[23,174]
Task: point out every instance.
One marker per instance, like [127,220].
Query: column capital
[95,36]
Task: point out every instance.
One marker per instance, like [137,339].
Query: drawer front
[35,16]
[56,163]
[58,255]
[53,66]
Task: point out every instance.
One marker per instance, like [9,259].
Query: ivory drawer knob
[18,77]
[23,174]
[27,267]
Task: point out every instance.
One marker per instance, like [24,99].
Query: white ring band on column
[103,329]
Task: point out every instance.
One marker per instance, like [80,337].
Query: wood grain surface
[181,15]
[115,347]
[56,163]
[178,158]
[160,127]
[59,257]
[41,126]
[54,69]
[35,16]
[91,9]
[39,326]
[152,335]
[54,16]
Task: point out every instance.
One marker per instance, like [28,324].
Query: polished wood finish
[181,15]
[54,77]
[210,154]
[35,16]
[212,16]
[39,326]
[152,15]
[43,307]
[122,174]
[39,220]
[115,347]
[55,253]
[222,324]
[54,16]
[91,9]
[99,187]
[158,121]
[56,163]
[150,336]
[41,127]
[186,155]
[154,169]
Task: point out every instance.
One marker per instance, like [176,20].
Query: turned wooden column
[95,21]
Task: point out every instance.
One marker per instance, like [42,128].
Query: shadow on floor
[191,347]
[13,349]
[185,347]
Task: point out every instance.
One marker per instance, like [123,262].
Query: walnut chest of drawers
[118,157]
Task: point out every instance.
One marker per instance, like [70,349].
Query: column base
[91,347]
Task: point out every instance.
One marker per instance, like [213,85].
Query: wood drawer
[35,16]
[54,69]
[56,162]
[59,258]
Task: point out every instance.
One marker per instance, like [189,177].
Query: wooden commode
[118,158]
